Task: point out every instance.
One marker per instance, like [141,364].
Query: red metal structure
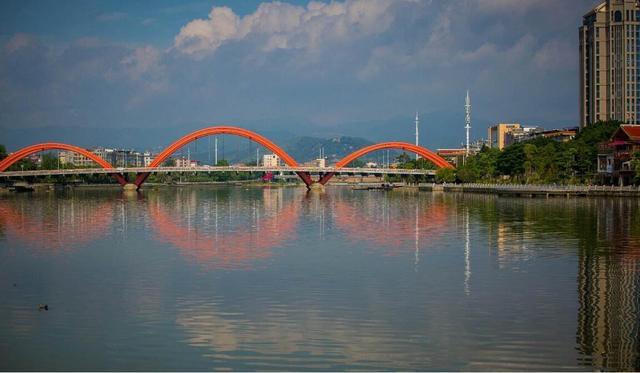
[423,152]
[26,151]
[223,130]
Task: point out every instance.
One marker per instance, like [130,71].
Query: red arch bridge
[291,165]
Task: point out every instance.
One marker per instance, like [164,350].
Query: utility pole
[417,124]
[467,118]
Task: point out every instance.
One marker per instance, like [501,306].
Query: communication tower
[467,118]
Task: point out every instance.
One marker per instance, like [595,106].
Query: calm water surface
[200,278]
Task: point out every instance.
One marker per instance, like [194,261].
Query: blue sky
[355,67]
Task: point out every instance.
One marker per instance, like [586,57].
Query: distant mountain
[307,148]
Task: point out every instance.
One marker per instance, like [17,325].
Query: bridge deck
[285,169]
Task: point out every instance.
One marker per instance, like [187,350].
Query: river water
[201,278]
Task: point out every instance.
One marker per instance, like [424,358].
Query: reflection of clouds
[55,225]
[204,232]
[288,335]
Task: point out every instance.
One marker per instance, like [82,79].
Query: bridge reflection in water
[55,225]
[204,232]
[237,229]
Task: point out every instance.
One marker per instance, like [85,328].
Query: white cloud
[284,26]
[141,61]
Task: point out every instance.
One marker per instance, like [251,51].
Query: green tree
[49,162]
[635,165]
[3,152]
[403,158]
[511,160]
[530,155]
[222,163]
[445,175]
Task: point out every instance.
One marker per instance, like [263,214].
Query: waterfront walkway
[537,190]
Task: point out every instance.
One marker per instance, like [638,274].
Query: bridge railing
[313,170]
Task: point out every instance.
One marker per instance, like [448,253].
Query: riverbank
[535,190]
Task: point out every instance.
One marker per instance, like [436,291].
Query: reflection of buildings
[609,290]
[608,326]
[57,225]
[204,233]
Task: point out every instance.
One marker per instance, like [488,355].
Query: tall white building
[610,63]
[270,160]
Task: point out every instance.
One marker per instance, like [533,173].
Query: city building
[147,158]
[270,160]
[319,162]
[498,134]
[522,134]
[186,162]
[104,153]
[615,155]
[560,135]
[72,158]
[609,48]
[123,157]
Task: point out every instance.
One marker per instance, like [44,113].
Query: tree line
[537,161]
[540,160]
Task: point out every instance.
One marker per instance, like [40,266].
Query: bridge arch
[222,130]
[423,152]
[36,148]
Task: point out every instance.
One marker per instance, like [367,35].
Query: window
[617,17]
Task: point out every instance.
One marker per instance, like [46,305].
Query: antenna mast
[467,118]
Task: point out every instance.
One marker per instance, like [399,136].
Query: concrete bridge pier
[316,187]
[130,187]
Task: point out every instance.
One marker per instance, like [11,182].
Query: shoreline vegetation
[540,161]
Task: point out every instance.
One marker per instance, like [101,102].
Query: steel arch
[423,152]
[26,151]
[223,130]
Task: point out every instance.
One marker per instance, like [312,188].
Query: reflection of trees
[203,231]
[607,235]
[55,224]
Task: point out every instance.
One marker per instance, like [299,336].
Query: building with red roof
[614,156]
